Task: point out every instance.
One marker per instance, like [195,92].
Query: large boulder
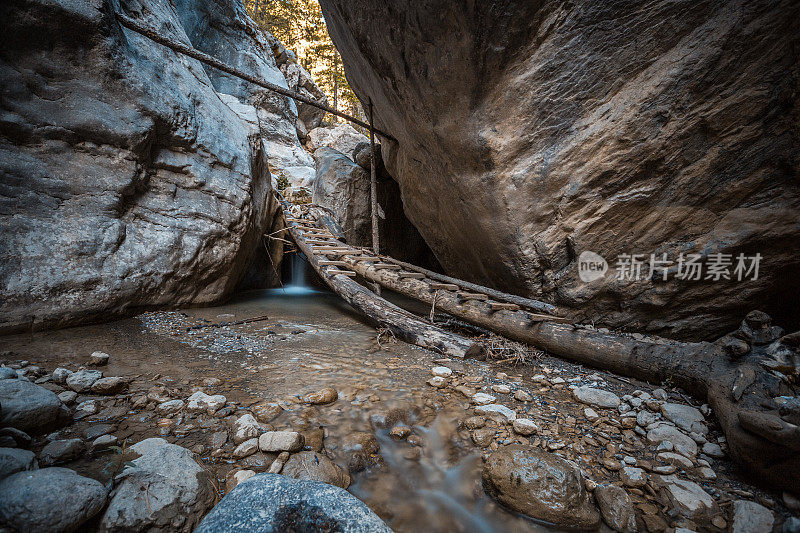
[541,485]
[179,490]
[129,178]
[30,408]
[13,460]
[314,466]
[343,187]
[300,80]
[273,503]
[50,499]
[531,132]
[341,137]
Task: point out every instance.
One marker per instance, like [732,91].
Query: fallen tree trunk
[401,323]
[726,374]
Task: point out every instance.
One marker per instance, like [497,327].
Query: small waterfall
[297,277]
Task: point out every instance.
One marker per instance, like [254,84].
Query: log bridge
[736,386]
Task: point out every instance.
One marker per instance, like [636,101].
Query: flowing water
[310,340]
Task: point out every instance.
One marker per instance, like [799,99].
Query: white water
[297,285]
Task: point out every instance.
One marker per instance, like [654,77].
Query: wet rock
[281,441]
[316,467]
[400,432]
[675,459]
[591,415]
[437,381]
[200,401]
[99,359]
[596,397]
[258,461]
[246,448]
[31,408]
[689,499]
[13,460]
[275,503]
[685,417]
[541,485]
[680,442]
[524,426]
[633,477]
[245,428]
[7,373]
[82,380]
[179,491]
[501,389]
[171,406]
[750,517]
[109,385]
[266,412]
[497,411]
[49,499]
[616,508]
[361,441]
[321,397]
[61,451]
[235,477]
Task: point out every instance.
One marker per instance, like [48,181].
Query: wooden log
[443,286]
[411,275]
[334,271]
[385,266]
[503,306]
[400,322]
[472,296]
[528,303]
[326,262]
[365,257]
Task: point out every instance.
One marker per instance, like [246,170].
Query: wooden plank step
[334,272]
[334,263]
[536,318]
[502,306]
[308,228]
[444,286]
[411,275]
[365,257]
[386,266]
[472,296]
[292,219]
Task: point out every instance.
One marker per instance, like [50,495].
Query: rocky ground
[544,438]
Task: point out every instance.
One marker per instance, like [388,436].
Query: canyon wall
[531,132]
[130,176]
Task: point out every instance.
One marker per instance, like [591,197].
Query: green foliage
[282,182]
[299,25]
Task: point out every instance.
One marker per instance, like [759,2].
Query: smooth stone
[200,401]
[483,437]
[474,422]
[316,467]
[178,490]
[31,408]
[633,477]
[109,385]
[245,428]
[522,396]
[13,460]
[713,450]
[751,517]
[266,411]
[524,426]
[170,406]
[248,447]
[61,451]
[616,507]
[481,398]
[675,459]
[591,415]
[82,380]
[496,411]
[49,499]
[685,417]
[541,485]
[501,389]
[68,396]
[7,373]
[236,477]
[441,371]
[689,499]
[321,397]
[681,442]
[104,441]
[60,375]
[596,397]
[272,503]
[281,441]
[361,441]
[99,359]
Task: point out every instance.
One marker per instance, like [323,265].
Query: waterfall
[297,277]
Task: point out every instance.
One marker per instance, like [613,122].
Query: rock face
[50,499]
[541,485]
[343,187]
[273,503]
[179,490]
[132,177]
[548,129]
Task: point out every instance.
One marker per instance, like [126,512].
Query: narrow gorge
[554,290]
